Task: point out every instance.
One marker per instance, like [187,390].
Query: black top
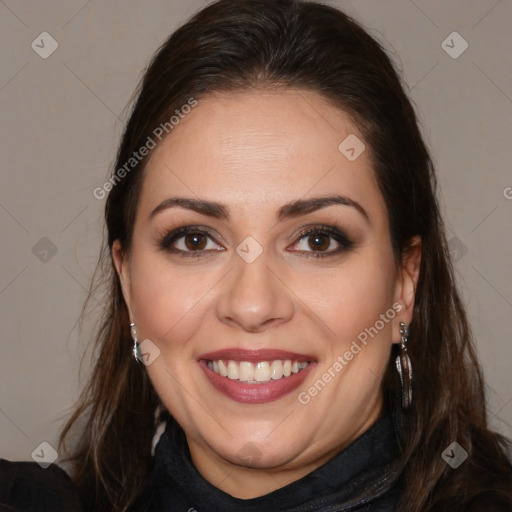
[27,487]
[363,477]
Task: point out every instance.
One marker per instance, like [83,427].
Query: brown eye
[322,241]
[319,242]
[190,241]
[195,241]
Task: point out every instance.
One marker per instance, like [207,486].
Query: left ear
[122,265]
[406,283]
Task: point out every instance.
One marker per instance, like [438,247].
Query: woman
[281,296]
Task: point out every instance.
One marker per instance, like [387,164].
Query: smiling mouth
[256,376]
[256,372]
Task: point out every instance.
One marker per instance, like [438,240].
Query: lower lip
[255,393]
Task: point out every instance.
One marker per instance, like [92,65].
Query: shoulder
[26,486]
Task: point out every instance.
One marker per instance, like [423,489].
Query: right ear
[122,265]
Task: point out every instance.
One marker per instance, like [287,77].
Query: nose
[254,297]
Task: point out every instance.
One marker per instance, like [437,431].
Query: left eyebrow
[305,206]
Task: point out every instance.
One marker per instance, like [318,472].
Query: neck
[245,482]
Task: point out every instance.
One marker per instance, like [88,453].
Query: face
[262,271]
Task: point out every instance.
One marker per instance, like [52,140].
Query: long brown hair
[250,44]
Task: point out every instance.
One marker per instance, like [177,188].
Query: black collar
[362,477]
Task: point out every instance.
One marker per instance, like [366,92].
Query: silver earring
[136,347]
[404,367]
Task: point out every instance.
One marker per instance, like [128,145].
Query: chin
[261,454]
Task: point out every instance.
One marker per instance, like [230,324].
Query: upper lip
[253,356]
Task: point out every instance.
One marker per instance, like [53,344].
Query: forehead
[254,146]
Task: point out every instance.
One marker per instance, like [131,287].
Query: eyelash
[345,244]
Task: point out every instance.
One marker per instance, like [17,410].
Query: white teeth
[245,371]
[276,370]
[232,370]
[262,371]
[222,369]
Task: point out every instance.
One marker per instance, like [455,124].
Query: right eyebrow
[209,208]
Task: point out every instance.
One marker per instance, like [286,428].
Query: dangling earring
[404,367]
[136,347]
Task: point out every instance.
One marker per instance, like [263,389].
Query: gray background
[61,120]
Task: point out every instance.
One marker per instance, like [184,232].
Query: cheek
[167,305]
[353,296]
